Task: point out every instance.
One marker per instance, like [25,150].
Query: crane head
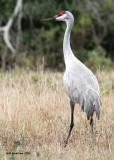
[60,17]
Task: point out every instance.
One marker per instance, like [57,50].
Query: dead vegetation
[35,118]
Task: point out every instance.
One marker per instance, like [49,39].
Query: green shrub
[97,58]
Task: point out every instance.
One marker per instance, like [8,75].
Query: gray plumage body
[82,87]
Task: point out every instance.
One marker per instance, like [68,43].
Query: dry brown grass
[35,118]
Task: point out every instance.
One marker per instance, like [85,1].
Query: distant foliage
[97,58]
[92,35]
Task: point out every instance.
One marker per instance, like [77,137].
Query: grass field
[35,118]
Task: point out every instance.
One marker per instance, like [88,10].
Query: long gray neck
[66,42]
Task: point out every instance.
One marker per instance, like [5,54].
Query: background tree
[91,39]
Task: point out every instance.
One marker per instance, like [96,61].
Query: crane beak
[49,19]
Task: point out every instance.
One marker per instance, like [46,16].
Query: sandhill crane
[79,82]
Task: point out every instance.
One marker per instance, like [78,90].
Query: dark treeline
[92,37]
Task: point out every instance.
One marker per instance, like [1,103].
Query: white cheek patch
[61,18]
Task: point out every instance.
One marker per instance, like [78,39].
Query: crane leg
[91,123]
[72,120]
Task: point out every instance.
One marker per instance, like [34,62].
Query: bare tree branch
[18,8]
[6,35]
[7,27]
